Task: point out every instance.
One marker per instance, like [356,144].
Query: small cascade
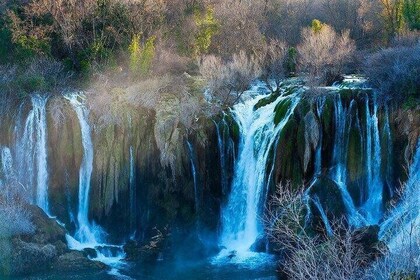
[324,217]
[132,185]
[85,232]
[88,234]
[318,159]
[373,205]
[338,173]
[240,216]
[6,168]
[31,150]
[388,137]
[194,173]
[403,223]
[226,150]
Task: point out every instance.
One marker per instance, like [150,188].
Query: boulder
[27,258]
[76,261]
[368,239]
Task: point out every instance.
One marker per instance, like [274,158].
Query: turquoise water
[185,270]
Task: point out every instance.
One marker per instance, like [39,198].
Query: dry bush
[227,80]
[168,62]
[402,262]
[401,232]
[395,71]
[273,59]
[323,52]
[240,27]
[308,256]
[147,93]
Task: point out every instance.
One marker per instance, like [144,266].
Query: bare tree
[227,80]
[323,52]
[395,71]
[273,59]
[308,256]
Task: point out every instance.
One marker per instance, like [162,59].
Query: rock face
[143,170]
[42,250]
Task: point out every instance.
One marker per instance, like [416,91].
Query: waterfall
[324,217]
[387,132]
[89,235]
[339,160]
[194,173]
[318,160]
[132,185]
[373,204]
[31,151]
[85,232]
[258,133]
[6,168]
[404,220]
[226,151]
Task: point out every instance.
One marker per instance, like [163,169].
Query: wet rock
[260,245]
[329,195]
[76,261]
[47,230]
[90,253]
[368,238]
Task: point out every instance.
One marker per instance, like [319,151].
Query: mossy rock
[288,164]
[267,100]
[329,195]
[280,110]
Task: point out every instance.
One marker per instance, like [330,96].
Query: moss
[267,100]
[354,156]
[280,110]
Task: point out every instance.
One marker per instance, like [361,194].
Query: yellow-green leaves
[207,26]
[141,58]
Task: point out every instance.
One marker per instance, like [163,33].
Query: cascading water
[85,232]
[132,185]
[225,146]
[403,222]
[318,160]
[89,235]
[373,204]
[31,151]
[6,170]
[321,211]
[194,173]
[339,160]
[258,133]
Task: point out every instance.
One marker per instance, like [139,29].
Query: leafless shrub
[227,80]
[167,61]
[15,217]
[395,71]
[323,52]
[273,58]
[147,93]
[401,231]
[401,262]
[240,27]
[52,71]
[335,256]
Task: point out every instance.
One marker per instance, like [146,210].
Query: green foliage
[207,27]
[141,58]
[316,26]
[280,110]
[291,61]
[411,12]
